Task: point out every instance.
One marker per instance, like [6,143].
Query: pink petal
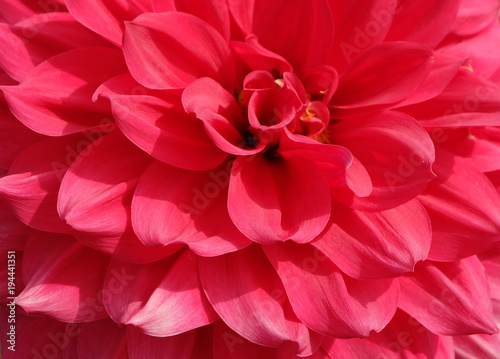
[242,12]
[474,16]
[35,336]
[214,12]
[107,17]
[186,47]
[286,198]
[13,233]
[222,117]
[464,209]
[103,174]
[398,158]
[55,99]
[449,298]
[272,109]
[159,125]
[426,23]
[483,154]
[28,43]
[230,345]
[403,337]
[443,70]
[370,245]
[55,286]
[336,163]
[477,346]
[96,194]
[102,338]
[385,74]
[195,344]
[359,24]
[491,263]
[70,351]
[326,300]
[14,136]
[302,46]
[5,80]
[12,12]
[258,57]
[33,182]
[484,62]
[321,81]
[162,299]
[358,179]
[175,206]
[248,295]
[469,100]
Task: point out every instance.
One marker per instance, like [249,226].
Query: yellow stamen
[468,67]
[323,137]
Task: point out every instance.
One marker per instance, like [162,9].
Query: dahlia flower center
[270,104]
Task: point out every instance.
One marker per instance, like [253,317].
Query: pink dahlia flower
[250,179]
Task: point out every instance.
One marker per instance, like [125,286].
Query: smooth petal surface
[163,299]
[426,23]
[464,209]
[449,298]
[258,57]
[96,194]
[230,345]
[33,334]
[469,100]
[326,300]
[286,198]
[13,233]
[302,46]
[474,16]
[32,184]
[172,49]
[403,337]
[333,161]
[175,206]
[55,285]
[443,70]
[491,263]
[28,43]
[470,346]
[484,63]
[482,153]
[195,344]
[248,295]
[385,74]
[56,98]
[398,158]
[107,17]
[12,12]
[242,13]
[368,245]
[101,338]
[358,26]
[14,136]
[160,126]
[214,12]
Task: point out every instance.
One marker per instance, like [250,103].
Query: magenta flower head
[236,179]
